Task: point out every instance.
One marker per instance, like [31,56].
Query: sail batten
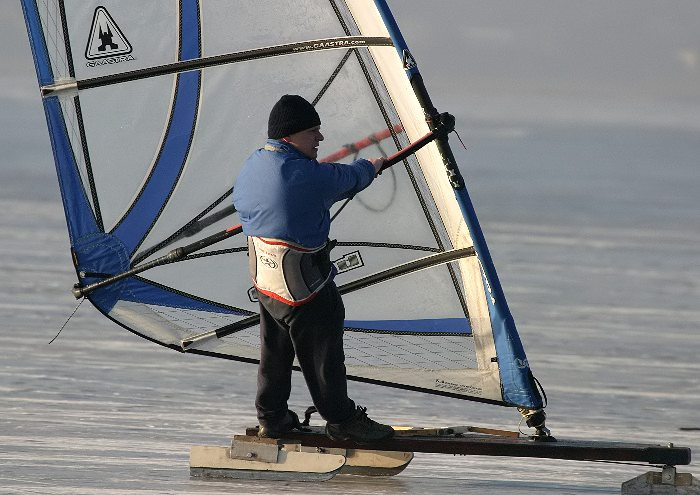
[197,63]
[149,125]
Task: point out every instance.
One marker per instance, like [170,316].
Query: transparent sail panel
[170,98]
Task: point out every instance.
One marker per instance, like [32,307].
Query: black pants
[314,332]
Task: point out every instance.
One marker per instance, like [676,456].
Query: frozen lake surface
[595,233]
[583,135]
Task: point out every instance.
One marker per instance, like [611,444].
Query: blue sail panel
[79,214]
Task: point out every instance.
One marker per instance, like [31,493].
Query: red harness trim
[277,297]
[289,245]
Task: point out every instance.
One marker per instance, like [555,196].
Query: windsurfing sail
[152,107]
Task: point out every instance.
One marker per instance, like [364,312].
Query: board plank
[510,446]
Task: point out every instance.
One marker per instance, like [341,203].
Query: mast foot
[666,482]
[535,418]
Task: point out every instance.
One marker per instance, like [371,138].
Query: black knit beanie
[291,114]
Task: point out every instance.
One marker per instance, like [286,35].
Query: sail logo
[458,387]
[521,363]
[106,43]
[409,62]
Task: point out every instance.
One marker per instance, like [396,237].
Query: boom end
[77,291]
[67,87]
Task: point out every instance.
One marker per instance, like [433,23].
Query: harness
[288,272]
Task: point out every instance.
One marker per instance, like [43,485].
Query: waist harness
[288,272]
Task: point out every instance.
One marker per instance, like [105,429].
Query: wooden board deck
[511,446]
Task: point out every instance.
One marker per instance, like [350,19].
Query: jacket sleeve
[341,181]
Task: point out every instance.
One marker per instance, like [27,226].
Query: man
[283,197]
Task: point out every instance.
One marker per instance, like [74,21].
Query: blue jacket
[283,194]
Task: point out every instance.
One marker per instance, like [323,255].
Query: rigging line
[325,87]
[383,276]
[345,203]
[335,73]
[376,142]
[66,322]
[88,163]
[332,77]
[445,126]
[215,60]
[357,146]
[389,245]
[389,202]
[218,252]
[66,38]
[367,206]
[192,227]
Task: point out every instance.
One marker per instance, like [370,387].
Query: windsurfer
[283,196]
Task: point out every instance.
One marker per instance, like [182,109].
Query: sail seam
[54,42]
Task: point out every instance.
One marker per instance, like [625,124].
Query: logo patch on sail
[349,262]
[521,363]
[106,39]
[253,294]
[408,61]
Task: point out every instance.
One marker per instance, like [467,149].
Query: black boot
[360,428]
[277,430]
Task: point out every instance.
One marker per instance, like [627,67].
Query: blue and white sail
[152,107]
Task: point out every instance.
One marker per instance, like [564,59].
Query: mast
[505,334]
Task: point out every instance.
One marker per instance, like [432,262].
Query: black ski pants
[314,333]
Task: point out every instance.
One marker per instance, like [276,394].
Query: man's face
[306,141]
